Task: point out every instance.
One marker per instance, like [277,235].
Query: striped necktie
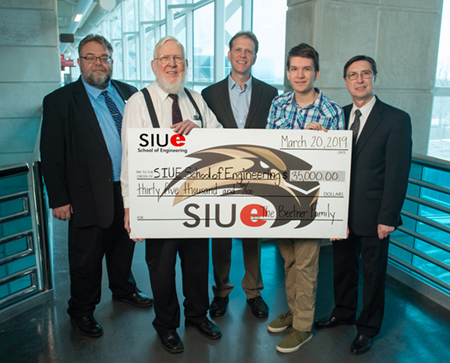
[355,125]
[114,111]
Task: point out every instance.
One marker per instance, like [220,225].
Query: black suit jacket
[76,163]
[381,161]
[218,99]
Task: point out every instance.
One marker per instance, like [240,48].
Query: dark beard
[98,82]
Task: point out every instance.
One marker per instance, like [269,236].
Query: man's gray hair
[164,41]
[98,39]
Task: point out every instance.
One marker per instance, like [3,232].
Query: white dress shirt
[136,116]
[365,112]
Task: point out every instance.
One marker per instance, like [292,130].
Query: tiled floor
[415,329]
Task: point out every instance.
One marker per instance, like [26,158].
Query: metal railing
[421,247]
[25,258]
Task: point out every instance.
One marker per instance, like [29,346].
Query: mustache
[100,68]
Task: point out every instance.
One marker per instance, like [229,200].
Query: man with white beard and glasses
[171,107]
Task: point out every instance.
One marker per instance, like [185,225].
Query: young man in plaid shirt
[304,108]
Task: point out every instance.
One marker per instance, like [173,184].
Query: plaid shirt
[285,113]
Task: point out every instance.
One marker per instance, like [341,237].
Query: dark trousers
[374,254]
[161,257]
[252,282]
[87,246]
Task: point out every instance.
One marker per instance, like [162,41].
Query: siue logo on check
[246,170]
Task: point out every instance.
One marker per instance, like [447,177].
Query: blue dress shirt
[240,100]
[106,122]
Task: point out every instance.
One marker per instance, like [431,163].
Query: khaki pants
[301,266]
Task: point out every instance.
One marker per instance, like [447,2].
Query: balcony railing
[421,247]
[25,263]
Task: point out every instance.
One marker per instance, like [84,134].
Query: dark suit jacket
[218,99]
[76,164]
[380,169]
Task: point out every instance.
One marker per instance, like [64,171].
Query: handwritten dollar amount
[313,175]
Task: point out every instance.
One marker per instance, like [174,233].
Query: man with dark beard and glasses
[172,108]
[81,156]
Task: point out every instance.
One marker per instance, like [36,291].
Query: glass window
[439,138]
[179,24]
[116,23]
[443,66]
[148,10]
[118,59]
[130,20]
[269,25]
[130,16]
[203,69]
[131,58]
[233,24]
[149,46]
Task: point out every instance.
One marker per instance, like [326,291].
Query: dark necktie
[355,125]
[114,111]
[176,112]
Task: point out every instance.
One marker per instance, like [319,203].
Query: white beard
[171,88]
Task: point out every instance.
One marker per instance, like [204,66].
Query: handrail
[42,225]
[13,169]
[430,161]
[30,211]
[417,219]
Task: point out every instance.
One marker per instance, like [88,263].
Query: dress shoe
[218,306]
[332,322]
[87,325]
[361,344]
[171,342]
[259,307]
[206,328]
[138,299]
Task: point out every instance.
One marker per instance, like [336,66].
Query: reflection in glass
[269,25]
[149,46]
[118,63]
[203,69]
[131,57]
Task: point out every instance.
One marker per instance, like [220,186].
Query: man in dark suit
[239,101]
[381,161]
[81,158]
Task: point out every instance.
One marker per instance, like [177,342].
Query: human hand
[183,127]
[384,231]
[126,225]
[63,213]
[315,126]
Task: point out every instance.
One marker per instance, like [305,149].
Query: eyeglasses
[92,59]
[165,59]
[355,75]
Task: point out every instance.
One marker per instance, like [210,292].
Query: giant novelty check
[239,183]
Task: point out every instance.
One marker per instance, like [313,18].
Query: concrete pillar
[401,35]
[29,59]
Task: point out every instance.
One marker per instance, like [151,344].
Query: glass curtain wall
[204,27]
[439,139]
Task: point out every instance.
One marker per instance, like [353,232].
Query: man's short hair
[358,58]
[246,34]
[95,38]
[163,41]
[305,51]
